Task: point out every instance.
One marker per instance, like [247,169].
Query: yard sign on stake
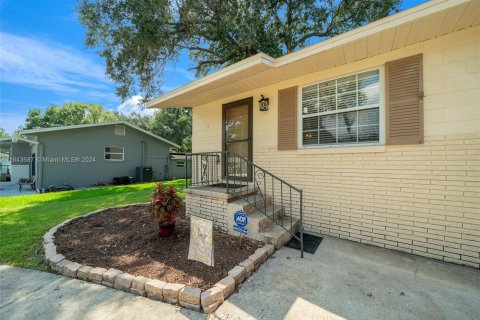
[201,241]
[241,221]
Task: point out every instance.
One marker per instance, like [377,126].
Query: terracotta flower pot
[166,229]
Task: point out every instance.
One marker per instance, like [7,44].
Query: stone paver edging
[186,296]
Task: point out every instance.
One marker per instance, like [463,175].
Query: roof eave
[179,97]
[258,59]
[42,130]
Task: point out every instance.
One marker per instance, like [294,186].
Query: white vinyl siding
[114,153]
[342,111]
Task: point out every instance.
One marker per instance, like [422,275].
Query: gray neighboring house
[178,164]
[4,162]
[84,155]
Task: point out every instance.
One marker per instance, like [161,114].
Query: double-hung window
[342,111]
[114,153]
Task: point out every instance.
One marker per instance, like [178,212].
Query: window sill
[342,149]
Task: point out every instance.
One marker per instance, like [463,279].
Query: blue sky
[43,60]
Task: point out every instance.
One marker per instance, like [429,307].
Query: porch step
[278,236]
[253,202]
[258,221]
[261,225]
[240,195]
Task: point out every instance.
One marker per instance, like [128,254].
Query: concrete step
[251,203]
[255,202]
[278,236]
[259,221]
[248,190]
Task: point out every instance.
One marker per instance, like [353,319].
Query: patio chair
[23,182]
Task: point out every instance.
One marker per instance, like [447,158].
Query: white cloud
[134,104]
[106,97]
[48,65]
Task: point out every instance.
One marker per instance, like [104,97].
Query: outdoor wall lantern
[263,103]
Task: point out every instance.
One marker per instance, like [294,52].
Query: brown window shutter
[404,101]
[287,119]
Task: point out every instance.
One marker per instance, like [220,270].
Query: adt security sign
[241,220]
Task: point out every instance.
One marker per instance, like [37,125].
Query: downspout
[40,166]
[143,153]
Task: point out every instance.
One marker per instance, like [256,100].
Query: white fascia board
[258,59]
[378,26]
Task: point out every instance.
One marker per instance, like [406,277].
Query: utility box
[122,180]
[144,174]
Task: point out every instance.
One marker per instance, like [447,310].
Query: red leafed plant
[165,204]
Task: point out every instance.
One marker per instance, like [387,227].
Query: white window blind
[343,110]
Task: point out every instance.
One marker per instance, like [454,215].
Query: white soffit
[420,23]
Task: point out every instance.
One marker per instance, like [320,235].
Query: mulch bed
[127,239]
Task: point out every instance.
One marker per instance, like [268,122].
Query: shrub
[165,204]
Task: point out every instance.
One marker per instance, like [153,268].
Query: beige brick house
[379,126]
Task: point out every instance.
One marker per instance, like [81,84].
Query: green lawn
[25,219]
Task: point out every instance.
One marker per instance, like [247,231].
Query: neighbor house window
[114,153]
[180,164]
[119,130]
[341,111]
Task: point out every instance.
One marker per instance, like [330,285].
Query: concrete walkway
[343,280]
[28,294]
[347,280]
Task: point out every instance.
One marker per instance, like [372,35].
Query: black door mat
[310,243]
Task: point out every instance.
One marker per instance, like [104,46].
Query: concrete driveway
[11,189]
[343,280]
[347,280]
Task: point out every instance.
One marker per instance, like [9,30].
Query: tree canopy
[172,124]
[3,133]
[71,113]
[138,38]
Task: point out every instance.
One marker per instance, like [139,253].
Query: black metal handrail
[244,179]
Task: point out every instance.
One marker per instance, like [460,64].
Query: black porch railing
[244,179]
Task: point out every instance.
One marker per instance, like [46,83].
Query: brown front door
[237,137]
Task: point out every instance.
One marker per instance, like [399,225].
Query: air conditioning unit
[144,174]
